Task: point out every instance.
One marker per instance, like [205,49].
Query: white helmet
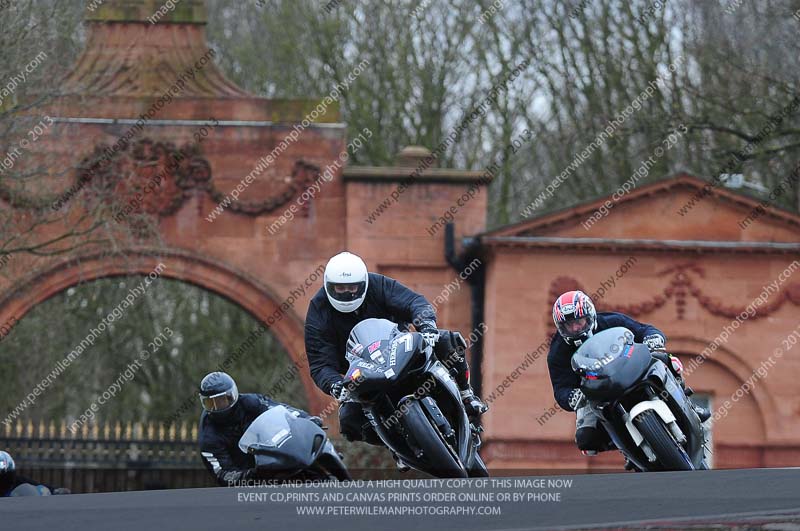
[346,281]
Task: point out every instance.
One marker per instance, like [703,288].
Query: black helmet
[219,395]
[8,471]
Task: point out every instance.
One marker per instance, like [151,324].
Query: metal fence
[105,458]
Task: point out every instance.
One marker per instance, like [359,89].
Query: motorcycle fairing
[400,363]
[281,441]
[385,359]
[610,363]
[626,435]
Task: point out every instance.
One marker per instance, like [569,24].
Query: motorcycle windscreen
[269,430]
[377,353]
[609,363]
[281,441]
[367,335]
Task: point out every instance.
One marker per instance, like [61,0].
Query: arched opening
[253,296]
[739,425]
[87,410]
[127,351]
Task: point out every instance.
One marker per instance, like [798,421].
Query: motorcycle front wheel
[436,451]
[669,453]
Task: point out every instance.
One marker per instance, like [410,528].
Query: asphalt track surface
[619,501]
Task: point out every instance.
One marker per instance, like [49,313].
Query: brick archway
[727,361]
[217,277]
[231,211]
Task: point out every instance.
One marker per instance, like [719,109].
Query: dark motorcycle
[411,400]
[287,447]
[640,403]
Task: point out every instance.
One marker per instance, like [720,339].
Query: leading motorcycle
[411,400]
[640,403]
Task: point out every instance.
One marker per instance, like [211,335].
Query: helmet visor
[219,401]
[6,463]
[346,292]
[573,328]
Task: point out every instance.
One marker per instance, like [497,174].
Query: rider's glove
[316,420]
[339,391]
[234,477]
[655,342]
[576,399]
[429,333]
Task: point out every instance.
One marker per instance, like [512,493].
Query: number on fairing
[407,339]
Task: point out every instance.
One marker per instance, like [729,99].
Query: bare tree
[40,40]
[745,89]
[726,84]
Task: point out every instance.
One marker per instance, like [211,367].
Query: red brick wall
[762,427]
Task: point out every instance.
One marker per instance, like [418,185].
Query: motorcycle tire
[435,449]
[478,468]
[669,454]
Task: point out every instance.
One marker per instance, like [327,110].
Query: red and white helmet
[575,317]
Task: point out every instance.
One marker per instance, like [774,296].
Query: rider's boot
[401,466]
[456,361]
[474,405]
[702,412]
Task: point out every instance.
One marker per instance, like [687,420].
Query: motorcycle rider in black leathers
[226,416]
[576,321]
[350,294]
